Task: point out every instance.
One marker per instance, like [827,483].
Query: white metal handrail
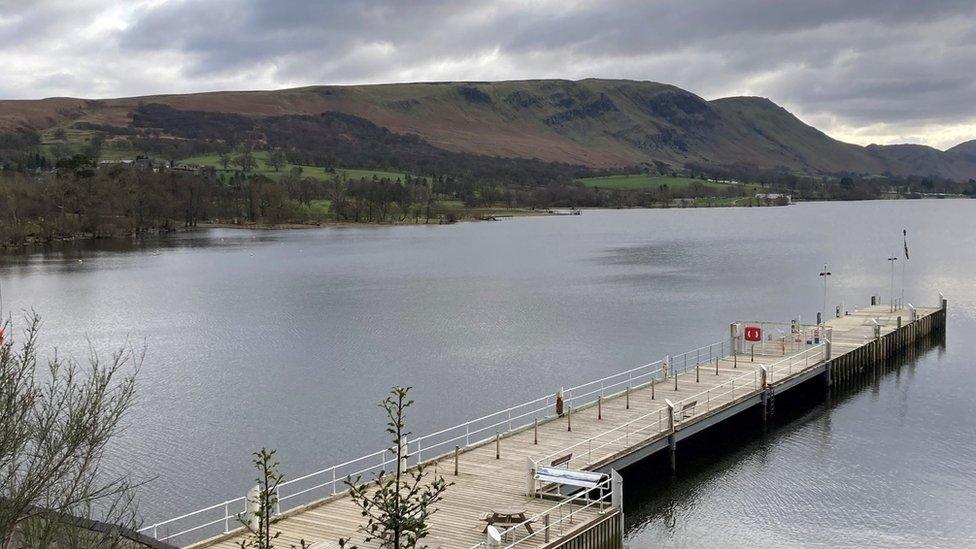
[605,489]
[330,481]
[588,442]
[707,395]
[803,356]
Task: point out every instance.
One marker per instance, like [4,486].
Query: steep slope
[923,160]
[965,151]
[758,130]
[597,123]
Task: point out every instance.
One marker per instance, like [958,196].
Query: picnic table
[507,517]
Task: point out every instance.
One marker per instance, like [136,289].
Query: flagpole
[892,260]
[904,233]
[903,282]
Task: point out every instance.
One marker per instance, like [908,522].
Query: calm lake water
[288,339]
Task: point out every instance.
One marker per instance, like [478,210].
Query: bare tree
[246,160]
[397,507]
[55,425]
[277,159]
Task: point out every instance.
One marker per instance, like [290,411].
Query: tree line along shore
[60,187]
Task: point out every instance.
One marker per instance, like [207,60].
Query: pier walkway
[607,424]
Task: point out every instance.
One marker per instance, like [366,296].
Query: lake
[288,339]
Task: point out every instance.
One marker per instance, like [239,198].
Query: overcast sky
[865,71]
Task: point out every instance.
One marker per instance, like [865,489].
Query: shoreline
[477,215]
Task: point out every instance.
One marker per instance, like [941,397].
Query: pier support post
[617,498]
[253,501]
[599,407]
[535,431]
[457,450]
[498,445]
[673,451]
[764,394]
[672,441]
[627,397]
[569,418]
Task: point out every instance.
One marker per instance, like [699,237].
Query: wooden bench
[688,409]
[561,460]
[508,518]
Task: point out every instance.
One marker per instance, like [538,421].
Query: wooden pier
[605,427]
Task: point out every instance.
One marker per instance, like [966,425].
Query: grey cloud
[901,63]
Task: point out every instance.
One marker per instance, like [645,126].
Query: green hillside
[316,172]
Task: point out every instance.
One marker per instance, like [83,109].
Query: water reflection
[801,479]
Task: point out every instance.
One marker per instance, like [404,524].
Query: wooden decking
[485,483]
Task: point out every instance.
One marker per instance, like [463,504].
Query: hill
[964,151]
[593,123]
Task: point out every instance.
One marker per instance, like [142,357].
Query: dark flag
[904,233]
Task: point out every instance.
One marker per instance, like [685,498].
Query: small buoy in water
[79,261]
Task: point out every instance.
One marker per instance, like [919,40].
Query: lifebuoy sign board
[752,333]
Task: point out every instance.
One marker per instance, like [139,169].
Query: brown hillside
[599,123]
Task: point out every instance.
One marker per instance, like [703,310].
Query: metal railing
[649,425]
[222,518]
[558,518]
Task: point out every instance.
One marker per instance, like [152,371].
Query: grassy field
[75,141]
[653,182]
[316,172]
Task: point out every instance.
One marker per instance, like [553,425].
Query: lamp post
[824,274]
[892,260]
